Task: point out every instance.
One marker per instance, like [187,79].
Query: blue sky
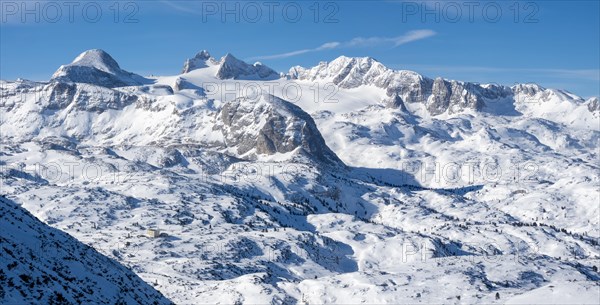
[553,43]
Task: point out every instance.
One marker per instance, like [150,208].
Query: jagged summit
[203,54]
[232,68]
[403,87]
[528,88]
[200,60]
[229,67]
[352,72]
[99,68]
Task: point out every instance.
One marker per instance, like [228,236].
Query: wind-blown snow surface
[42,265]
[344,183]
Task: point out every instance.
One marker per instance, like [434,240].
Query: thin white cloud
[395,41]
[182,8]
[325,46]
[357,42]
[413,36]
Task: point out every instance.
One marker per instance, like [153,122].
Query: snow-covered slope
[344,183]
[42,265]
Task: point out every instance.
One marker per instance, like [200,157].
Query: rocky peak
[203,55]
[233,68]
[527,89]
[346,72]
[402,86]
[201,60]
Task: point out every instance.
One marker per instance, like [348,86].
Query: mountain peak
[228,57]
[347,72]
[230,67]
[200,60]
[233,68]
[344,58]
[99,68]
[98,59]
[528,88]
[203,55]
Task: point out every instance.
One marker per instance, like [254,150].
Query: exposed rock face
[270,125]
[412,90]
[439,101]
[183,84]
[395,102]
[453,96]
[233,68]
[171,157]
[593,104]
[42,265]
[98,68]
[527,89]
[85,97]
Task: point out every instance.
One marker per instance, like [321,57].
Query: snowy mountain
[42,265]
[347,182]
[99,68]
[438,95]
[230,67]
